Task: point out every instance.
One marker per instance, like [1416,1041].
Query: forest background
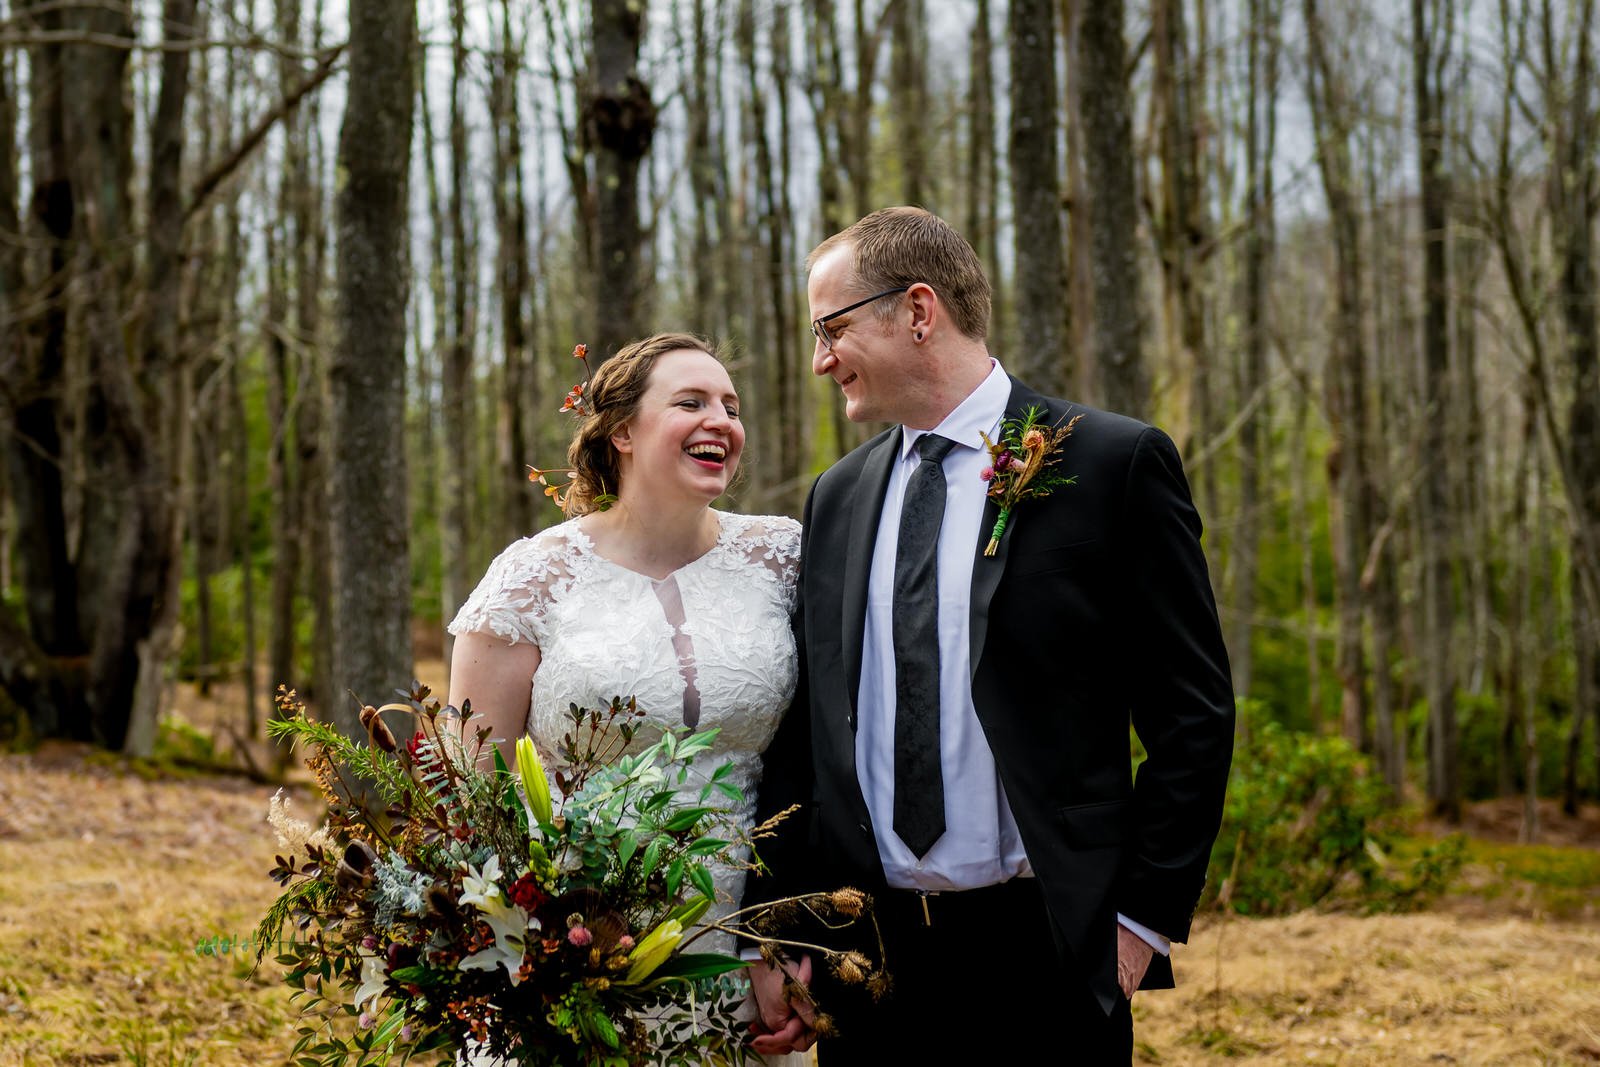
[288,292]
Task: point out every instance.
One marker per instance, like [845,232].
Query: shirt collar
[977,414]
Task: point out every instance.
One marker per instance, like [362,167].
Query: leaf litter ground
[109,880]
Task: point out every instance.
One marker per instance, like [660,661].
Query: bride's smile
[683,445]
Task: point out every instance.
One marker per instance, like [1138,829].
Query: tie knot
[933,448]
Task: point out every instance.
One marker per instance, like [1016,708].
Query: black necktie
[918,786]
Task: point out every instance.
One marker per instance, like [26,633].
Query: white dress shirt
[981,845]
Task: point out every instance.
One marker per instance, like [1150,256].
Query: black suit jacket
[1095,611]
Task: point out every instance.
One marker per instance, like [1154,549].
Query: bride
[655,596]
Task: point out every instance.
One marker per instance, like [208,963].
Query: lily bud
[653,951]
[686,915]
[534,784]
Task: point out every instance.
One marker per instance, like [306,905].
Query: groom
[959,745]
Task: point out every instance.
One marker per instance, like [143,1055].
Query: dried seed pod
[377,729]
[356,865]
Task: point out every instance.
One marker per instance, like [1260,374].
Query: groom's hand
[1133,959]
[782,1023]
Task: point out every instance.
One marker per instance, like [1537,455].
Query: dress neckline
[589,547]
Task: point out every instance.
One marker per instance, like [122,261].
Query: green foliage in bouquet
[450,906]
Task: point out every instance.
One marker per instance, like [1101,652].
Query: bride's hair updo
[612,398]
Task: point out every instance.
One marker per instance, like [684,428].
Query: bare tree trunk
[205,282]
[1260,153]
[908,87]
[236,458]
[372,608]
[429,357]
[1183,230]
[457,478]
[163,374]
[859,155]
[983,178]
[1430,53]
[1080,275]
[623,120]
[781,245]
[311,433]
[1520,647]
[1575,193]
[832,122]
[12,282]
[520,398]
[703,173]
[283,386]
[981,169]
[36,376]
[1105,110]
[1348,467]
[1041,289]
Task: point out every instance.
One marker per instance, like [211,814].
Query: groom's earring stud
[919,335]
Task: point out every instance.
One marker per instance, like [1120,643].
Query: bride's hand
[782,1024]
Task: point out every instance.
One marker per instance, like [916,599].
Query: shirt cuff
[1147,935]
[749,955]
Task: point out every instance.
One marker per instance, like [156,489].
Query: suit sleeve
[786,771]
[1181,696]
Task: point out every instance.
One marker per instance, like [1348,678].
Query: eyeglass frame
[819,327]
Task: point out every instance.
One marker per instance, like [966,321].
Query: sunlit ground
[109,880]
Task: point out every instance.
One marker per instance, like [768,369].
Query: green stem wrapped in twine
[995,534]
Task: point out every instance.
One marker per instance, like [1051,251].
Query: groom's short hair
[900,246]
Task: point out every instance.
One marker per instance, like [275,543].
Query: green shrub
[1299,813]
[1480,718]
[179,744]
[1307,819]
[1400,887]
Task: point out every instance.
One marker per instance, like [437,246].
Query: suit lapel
[866,509]
[988,570]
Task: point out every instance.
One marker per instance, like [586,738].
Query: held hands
[1133,959]
[782,1023]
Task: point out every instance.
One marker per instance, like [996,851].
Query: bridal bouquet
[450,907]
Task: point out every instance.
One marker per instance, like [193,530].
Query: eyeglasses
[819,327]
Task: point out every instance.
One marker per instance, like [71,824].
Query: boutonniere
[1023,464]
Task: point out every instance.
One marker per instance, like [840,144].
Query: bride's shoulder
[771,541]
[777,531]
[554,546]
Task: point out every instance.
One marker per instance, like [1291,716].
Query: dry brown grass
[108,881]
[1390,989]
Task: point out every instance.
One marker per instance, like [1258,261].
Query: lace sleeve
[511,600]
[773,542]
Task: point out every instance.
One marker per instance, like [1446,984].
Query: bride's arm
[497,676]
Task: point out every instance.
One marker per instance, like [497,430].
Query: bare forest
[289,290]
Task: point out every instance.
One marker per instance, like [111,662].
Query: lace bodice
[709,645]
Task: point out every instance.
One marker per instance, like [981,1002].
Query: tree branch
[219,172]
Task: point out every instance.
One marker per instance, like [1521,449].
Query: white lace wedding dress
[708,645]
